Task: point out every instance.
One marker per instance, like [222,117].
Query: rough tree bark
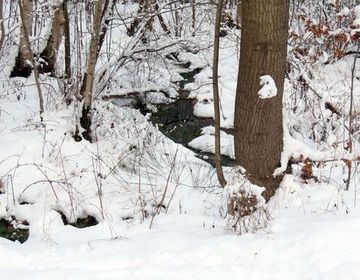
[258,122]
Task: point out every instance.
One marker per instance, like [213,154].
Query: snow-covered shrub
[246,207]
[323,32]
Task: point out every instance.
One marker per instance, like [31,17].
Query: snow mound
[206,142]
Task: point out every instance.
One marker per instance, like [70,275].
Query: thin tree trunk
[49,54]
[193,17]
[238,13]
[87,89]
[2,26]
[219,170]
[105,25]
[67,45]
[101,37]
[31,57]
[148,9]
[258,122]
[134,26]
[350,125]
[22,68]
[161,19]
[177,22]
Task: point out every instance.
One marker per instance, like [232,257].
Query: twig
[350,143]
[161,203]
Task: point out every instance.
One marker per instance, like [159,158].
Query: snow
[206,142]
[190,240]
[302,242]
[268,89]
[201,88]
[313,229]
[204,108]
[345,11]
[331,2]
[357,12]
[356,21]
[296,149]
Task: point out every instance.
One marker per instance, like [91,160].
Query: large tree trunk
[22,67]
[258,122]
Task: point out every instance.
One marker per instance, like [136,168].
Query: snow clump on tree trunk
[268,89]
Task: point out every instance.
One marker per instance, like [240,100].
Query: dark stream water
[177,121]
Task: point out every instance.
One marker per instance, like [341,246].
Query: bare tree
[215,81]
[28,51]
[2,26]
[67,47]
[88,83]
[22,68]
[49,54]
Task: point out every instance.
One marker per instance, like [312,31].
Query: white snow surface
[268,87]
[356,21]
[305,240]
[206,142]
[312,234]
[357,12]
[202,90]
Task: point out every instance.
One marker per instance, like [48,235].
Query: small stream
[177,121]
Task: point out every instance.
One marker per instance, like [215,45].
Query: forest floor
[300,243]
[160,212]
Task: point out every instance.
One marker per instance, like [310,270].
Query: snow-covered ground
[306,239]
[161,214]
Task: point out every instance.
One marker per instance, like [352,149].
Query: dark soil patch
[14,230]
[81,222]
